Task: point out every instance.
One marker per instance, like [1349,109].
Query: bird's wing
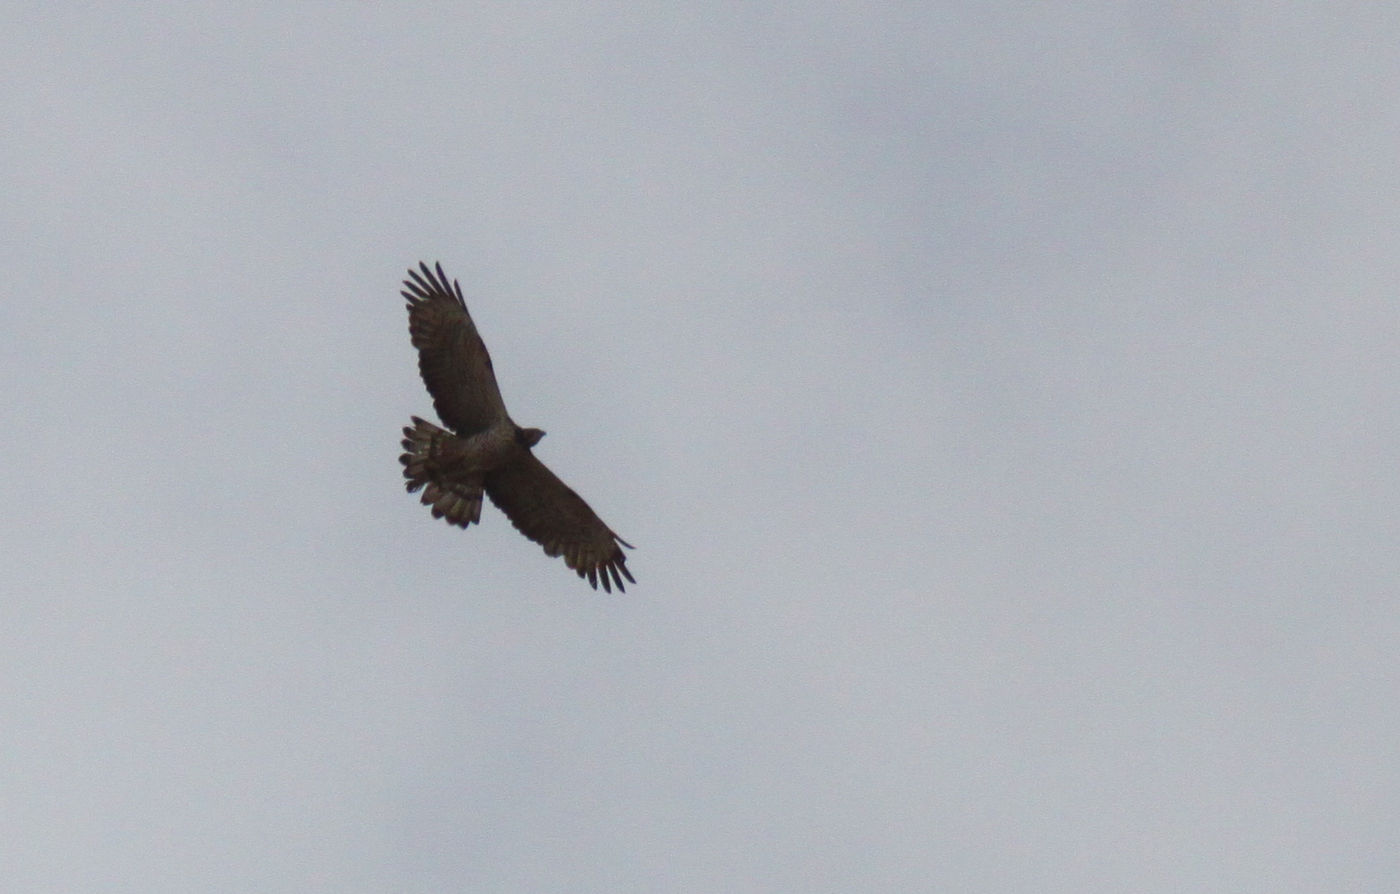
[547,511]
[451,356]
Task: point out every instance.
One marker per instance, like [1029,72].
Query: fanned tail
[456,498]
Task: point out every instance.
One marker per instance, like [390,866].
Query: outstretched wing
[547,511]
[451,356]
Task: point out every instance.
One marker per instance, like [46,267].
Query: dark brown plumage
[485,450]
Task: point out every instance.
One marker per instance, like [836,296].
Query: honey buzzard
[485,449]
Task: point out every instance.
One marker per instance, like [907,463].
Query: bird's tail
[456,498]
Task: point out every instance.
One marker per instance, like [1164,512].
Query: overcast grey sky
[1000,397]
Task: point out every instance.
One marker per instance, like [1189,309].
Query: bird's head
[528,437]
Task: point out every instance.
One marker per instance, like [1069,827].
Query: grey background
[1001,397]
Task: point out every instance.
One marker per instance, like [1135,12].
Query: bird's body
[485,451]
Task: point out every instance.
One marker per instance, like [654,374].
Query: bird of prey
[485,450]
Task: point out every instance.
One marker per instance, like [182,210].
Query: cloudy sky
[1000,397]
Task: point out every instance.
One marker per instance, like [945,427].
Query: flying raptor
[485,450]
